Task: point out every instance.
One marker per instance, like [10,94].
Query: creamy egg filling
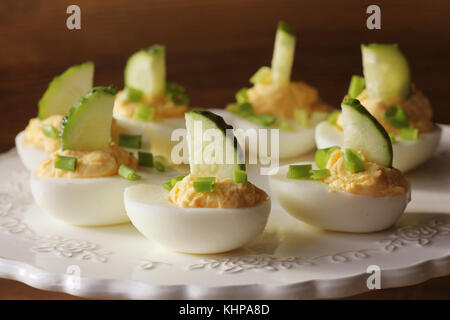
[226,194]
[90,164]
[281,100]
[417,107]
[163,107]
[35,137]
[375,181]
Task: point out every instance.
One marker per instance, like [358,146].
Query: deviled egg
[149,106]
[82,183]
[40,137]
[388,94]
[214,208]
[353,188]
[276,102]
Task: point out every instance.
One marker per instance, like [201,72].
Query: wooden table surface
[213,47]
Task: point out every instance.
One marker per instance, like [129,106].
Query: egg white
[89,201]
[30,156]
[314,203]
[291,143]
[408,155]
[156,135]
[192,230]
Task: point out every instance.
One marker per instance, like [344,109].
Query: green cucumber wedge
[146,71]
[365,134]
[65,89]
[386,72]
[87,127]
[219,156]
[283,54]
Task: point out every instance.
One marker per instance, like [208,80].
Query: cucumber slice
[386,72]
[87,127]
[146,71]
[199,147]
[365,134]
[65,89]
[283,54]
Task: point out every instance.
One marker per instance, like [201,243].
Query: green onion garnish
[159,166]
[320,174]
[177,94]
[144,112]
[244,109]
[409,134]
[262,76]
[262,119]
[323,155]
[50,131]
[397,117]
[301,117]
[66,163]
[241,96]
[132,94]
[170,184]
[204,184]
[240,176]
[145,159]
[300,171]
[128,173]
[353,161]
[130,141]
[393,139]
[284,125]
[333,117]
[357,85]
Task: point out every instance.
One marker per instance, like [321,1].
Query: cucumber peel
[365,134]
[386,72]
[65,89]
[224,161]
[87,127]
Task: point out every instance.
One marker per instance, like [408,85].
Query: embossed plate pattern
[290,260]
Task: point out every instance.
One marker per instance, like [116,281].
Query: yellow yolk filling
[35,137]
[281,100]
[375,181]
[164,108]
[90,164]
[226,194]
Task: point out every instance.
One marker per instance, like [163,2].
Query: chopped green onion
[353,161]
[240,176]
[50,131]
[160,163]
[301,171]
[159,166]
[262,76]
[409,134]
[128,173]
[244,109]
[320,174]
[357,85]
[144,112]
[318,116]
[333,117]
[301,117]
[323,155]
[66,163]
[397,117]
[232,107]
[132,94]
[393,139]
[204,184]
[284,125]
[145,159]
[241,96]
[177,94]
[130,141]
[170,184]
[262,119]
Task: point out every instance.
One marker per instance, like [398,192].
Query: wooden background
[213,47]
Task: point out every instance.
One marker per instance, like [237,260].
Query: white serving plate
[290,260]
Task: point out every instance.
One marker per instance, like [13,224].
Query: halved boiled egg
[408,155]
[30,156]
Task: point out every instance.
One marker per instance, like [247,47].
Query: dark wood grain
[214,46]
